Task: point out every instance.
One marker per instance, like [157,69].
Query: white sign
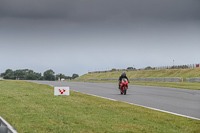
[61,90]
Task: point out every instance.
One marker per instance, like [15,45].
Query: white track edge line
[10,128]
[142,106]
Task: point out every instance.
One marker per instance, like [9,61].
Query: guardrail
[110,79]
[86,79]
[5,127]
[196,79]
[166,79]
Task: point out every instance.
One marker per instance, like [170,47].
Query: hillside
[184,73]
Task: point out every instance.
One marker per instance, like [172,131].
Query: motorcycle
[123,86]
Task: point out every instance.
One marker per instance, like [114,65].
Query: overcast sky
[74,36]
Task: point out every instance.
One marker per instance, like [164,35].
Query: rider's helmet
[124,73]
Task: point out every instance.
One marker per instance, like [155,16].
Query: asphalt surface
[171,100]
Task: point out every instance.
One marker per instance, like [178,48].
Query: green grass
[184,73]
[32,108]
[184,85]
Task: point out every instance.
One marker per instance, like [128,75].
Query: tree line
[26,74]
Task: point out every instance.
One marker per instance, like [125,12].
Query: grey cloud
[153,32]
[34,9]
[91,10]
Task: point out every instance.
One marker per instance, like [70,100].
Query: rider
[121,77]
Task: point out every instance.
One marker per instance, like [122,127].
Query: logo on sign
[61,90]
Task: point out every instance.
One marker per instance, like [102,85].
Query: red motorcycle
[124,86]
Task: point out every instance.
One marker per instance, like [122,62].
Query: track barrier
[170,79]
[196,79]
[5,127]
[166,79]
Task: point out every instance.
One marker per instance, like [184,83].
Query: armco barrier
[172,79]
[196,79]
[176,79]
[5,127]
[110,79]
[92,79]
[85,79]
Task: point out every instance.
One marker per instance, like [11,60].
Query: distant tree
[148,68]
[68,77]
[75,76]
[41,78]
[49,75]
[26,74]
[131,68]
[22,74]
[60,76]
[33,76]
[114,69]
[9,74]
[19,74]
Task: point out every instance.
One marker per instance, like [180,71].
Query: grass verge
[32,108]
[184,73]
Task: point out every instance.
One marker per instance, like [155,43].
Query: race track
[180,102]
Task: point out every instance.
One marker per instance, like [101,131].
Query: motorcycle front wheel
[124,90]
